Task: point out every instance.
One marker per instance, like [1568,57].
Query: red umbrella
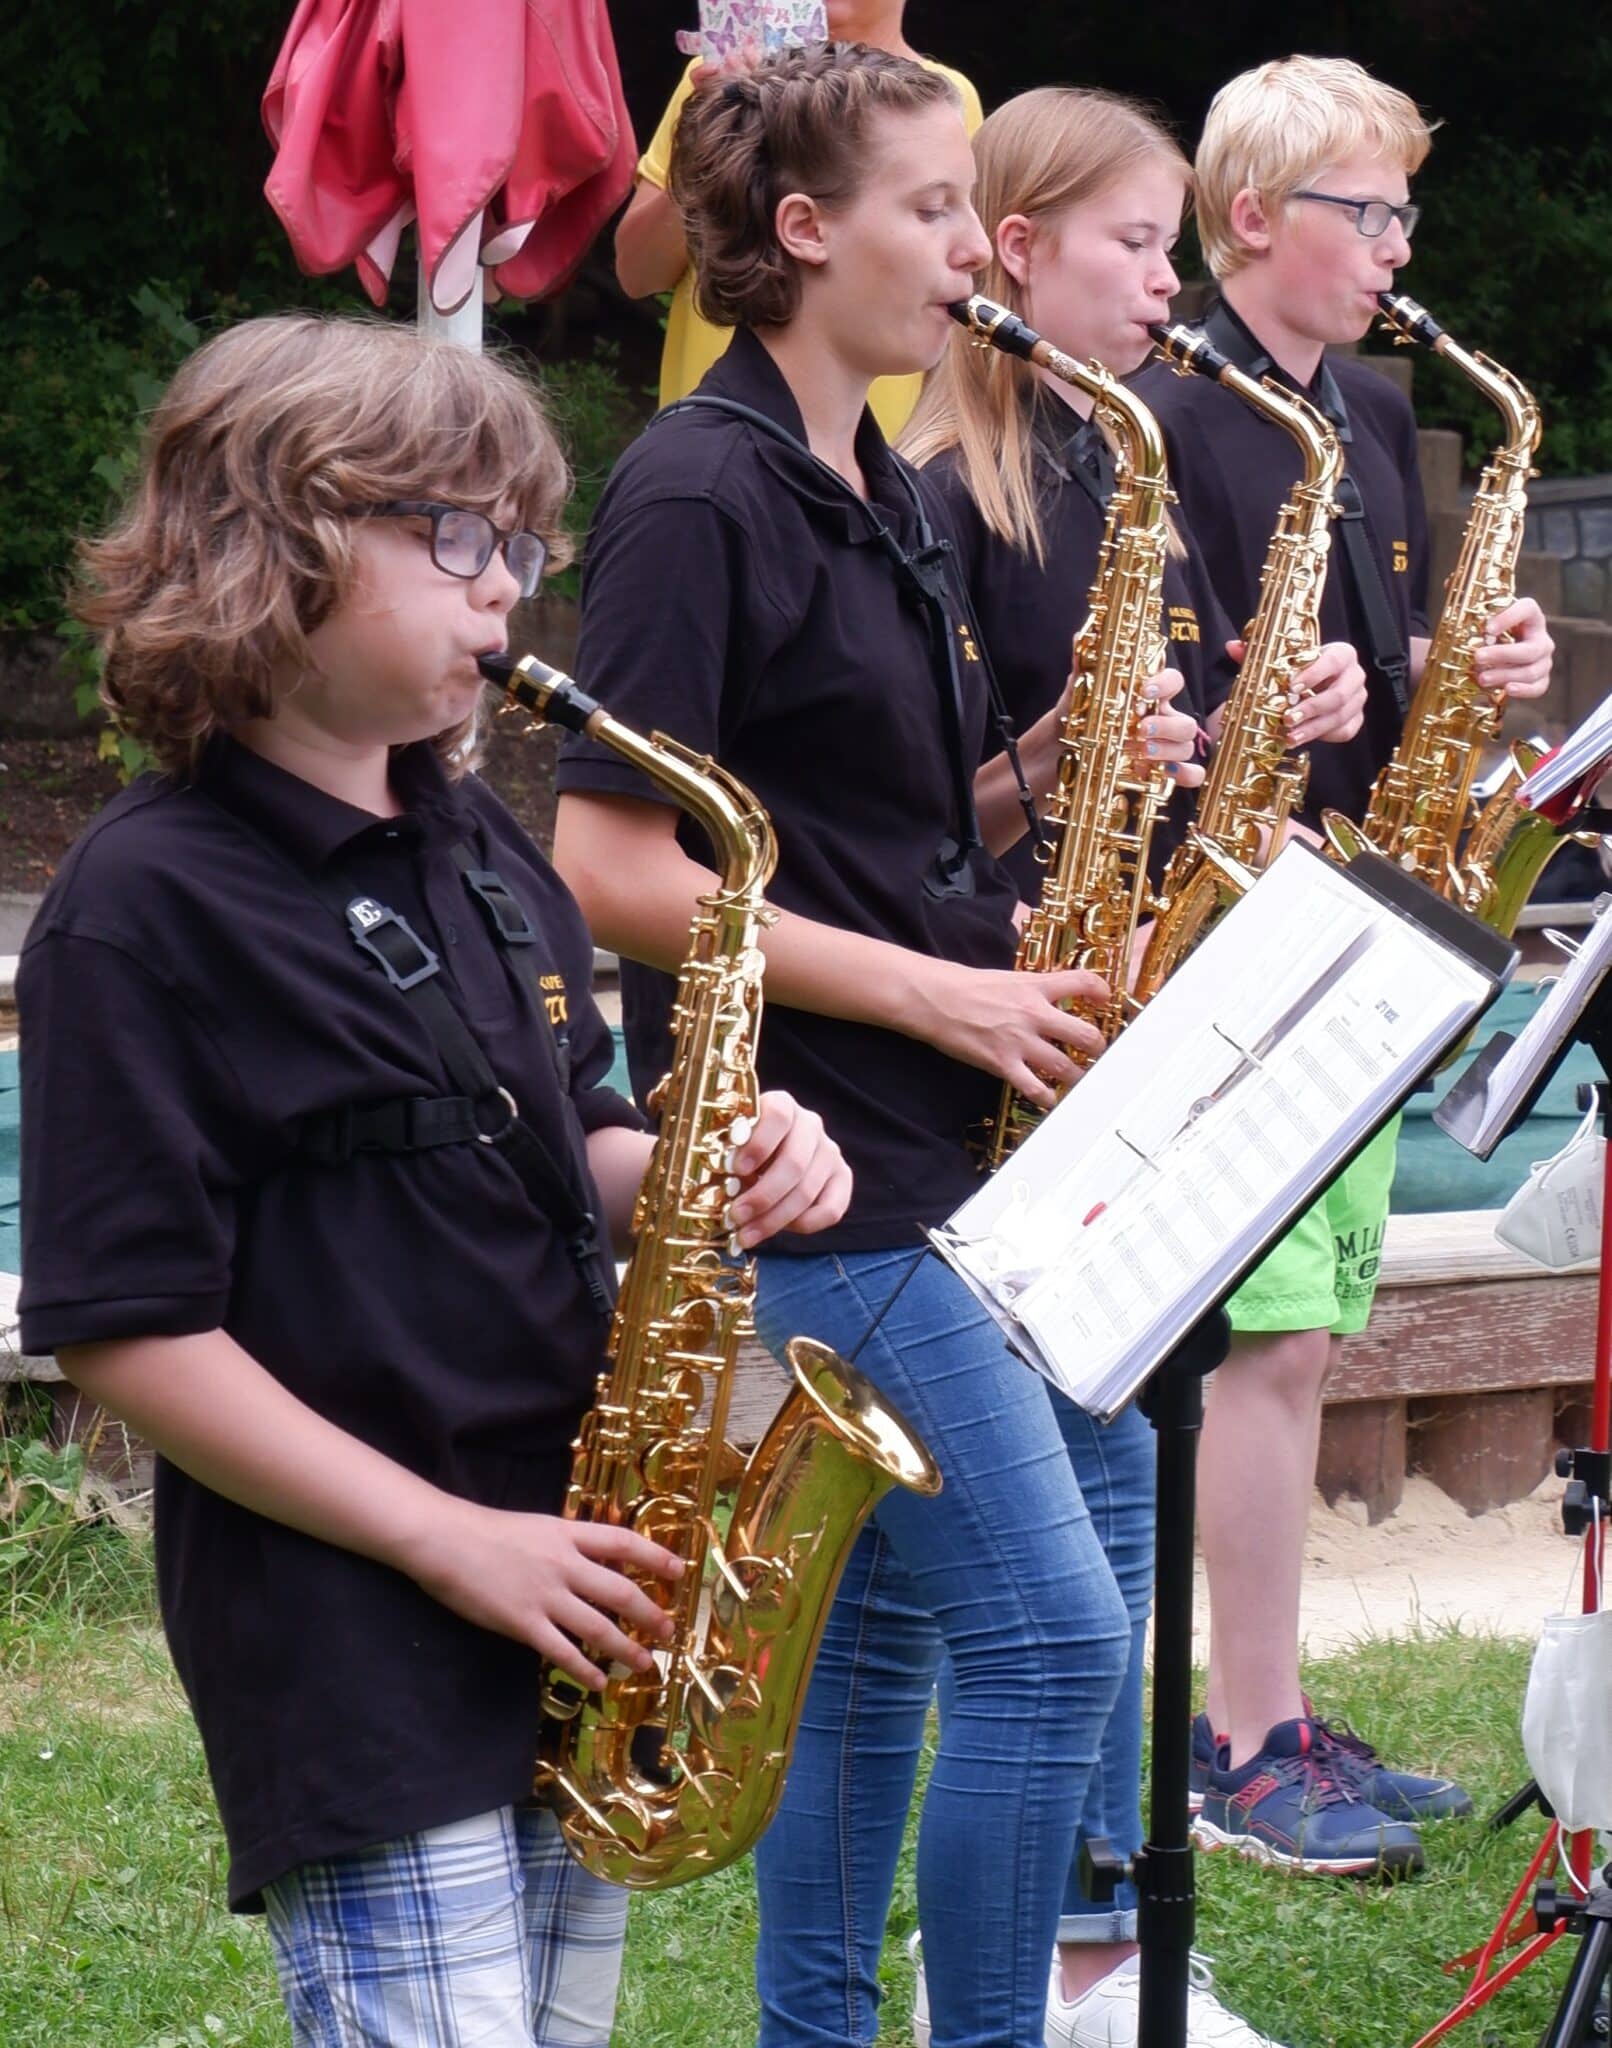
[498,125]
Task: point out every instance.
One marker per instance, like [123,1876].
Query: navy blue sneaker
[1291,1807]
[1205,1743]
[1402,1795]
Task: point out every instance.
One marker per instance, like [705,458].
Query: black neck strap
[1385,645]
[483,1112]
[921,573]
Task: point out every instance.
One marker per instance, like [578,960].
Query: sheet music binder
[1507,1078]
[1273,1054]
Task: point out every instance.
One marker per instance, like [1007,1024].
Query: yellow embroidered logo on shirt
[556,1004]
[1184,624]
[1401,556]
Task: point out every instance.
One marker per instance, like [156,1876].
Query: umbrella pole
[464,326]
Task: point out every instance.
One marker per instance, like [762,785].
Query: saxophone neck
[1190,353]
[733,821]
[1410,322]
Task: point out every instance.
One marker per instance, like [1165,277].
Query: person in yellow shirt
[651,255]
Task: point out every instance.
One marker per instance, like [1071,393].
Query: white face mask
[1555,1216]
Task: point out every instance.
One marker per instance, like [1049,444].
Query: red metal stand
[1517,1928]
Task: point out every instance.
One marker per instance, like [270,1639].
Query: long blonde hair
[1038,155]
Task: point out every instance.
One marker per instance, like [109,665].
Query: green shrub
[78,384]
[597,415]
[66,1536]
[1511,258]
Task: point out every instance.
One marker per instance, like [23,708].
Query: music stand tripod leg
[1166,1896]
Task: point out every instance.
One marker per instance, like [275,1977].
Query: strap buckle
[391,941]
[510,924]
[492,1137]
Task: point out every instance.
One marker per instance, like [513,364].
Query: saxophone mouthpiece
[1409,320]
[1188,350]
[547,693]
[993,326]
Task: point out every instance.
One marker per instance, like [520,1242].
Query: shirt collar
[313,826]
[1233,336]
[1074,449]
[747,372]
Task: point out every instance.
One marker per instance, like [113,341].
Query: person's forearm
[1418,658]
[998,800]
[212,1410]
[651,254]
[617,1159]
[643,908]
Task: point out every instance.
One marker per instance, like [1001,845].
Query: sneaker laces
[1324,1784]
[1356,1755]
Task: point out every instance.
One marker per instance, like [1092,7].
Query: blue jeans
[1116,1468]
[1004,1573]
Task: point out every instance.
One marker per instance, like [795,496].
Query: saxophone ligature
[669,1774]
[1421,812]
[1100,816]
[1254,783]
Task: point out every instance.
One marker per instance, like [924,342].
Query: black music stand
[1170,1391]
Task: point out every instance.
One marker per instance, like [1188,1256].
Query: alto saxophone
[669,1774]
[1254,784]
[1101,815]
[1421,804]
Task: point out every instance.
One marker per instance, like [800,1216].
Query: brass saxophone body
[1254,784]
[670,1774]
[1421,804]
[1101,814]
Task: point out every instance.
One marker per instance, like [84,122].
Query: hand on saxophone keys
[1165,735]
[560,1587]
[1020,1025]
[1517,651]
[787,1175]
[1327,697]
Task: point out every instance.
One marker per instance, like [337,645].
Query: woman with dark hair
[763,582]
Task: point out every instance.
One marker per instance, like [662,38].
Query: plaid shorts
[486,1931]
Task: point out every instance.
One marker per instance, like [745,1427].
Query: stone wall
[1571,517]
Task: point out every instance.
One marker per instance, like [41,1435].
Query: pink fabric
[445,110]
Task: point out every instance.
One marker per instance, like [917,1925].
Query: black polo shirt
[1233,470]
[1029,611]
[737,602]
[188,996]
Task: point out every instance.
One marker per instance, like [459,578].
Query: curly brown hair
[796,123]
[234,545]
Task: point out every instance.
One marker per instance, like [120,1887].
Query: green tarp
[1433,1173]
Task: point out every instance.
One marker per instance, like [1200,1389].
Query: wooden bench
[1476,1363]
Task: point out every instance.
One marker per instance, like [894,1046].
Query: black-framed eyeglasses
[462,542]
[1372,216]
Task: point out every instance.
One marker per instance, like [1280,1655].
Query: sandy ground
[1430,1563]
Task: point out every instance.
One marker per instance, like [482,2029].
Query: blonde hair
[1039,155]
[1274,129]
[235,544]
[797,122]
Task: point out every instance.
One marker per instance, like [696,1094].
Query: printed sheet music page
[1140,1201]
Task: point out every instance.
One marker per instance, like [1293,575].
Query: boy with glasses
[261,1224]
[1304,214]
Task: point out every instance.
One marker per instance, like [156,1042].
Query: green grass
[113,1932]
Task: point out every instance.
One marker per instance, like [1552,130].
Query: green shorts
[1323,1274]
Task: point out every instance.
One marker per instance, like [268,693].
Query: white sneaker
[1109,2014]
